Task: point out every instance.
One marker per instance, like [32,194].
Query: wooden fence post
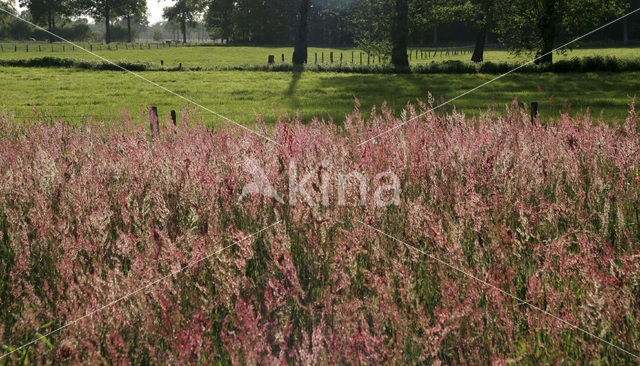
[316,58]
[322,53]
[331,57]
[283,58]
[173,118]
[154,123]
[534,112]
[352,57]
[271,60]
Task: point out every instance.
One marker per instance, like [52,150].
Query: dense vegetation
[547,213]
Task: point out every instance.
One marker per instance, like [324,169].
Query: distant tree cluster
[63,18]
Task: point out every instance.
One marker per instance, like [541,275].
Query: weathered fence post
[91,47]
[340,58]
[154,123]
[360,58]
[331,57]
[322,54]
[272,59]
[161,62]
[316,58]
[534,112]
[352,57]
[173,118]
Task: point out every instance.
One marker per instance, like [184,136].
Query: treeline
[380,27]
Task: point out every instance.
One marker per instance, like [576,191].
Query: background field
[75,94]
[208,57]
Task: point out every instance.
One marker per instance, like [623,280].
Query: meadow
[194,269]
[78,95]
[214,56]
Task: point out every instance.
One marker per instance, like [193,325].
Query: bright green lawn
[237,94]
[209,57]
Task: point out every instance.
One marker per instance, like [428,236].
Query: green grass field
[209,57]
[74,94]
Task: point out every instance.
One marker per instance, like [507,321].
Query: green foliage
[119,33]
[219,19]
[371,26]
[157,35]
[184,13]
[535,26]
[72,32]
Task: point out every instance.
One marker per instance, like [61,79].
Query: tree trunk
[52,26]
[300,50]
[625,31]
[183,25]
[547,27]
[400,30]
[107,25]
[478,51]
[129,28]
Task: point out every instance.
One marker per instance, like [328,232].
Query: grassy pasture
[74,94]
[208,57]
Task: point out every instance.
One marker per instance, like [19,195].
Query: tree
[430,14]
[300,51]
[399,33]
[535,25]
[483,10]
[102,9]
[370,24]
[219,19]
[45,12]
[135,9]
[185,13]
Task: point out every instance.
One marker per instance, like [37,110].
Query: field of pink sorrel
[141,250]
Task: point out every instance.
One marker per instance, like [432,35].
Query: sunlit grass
[209,57]
[74,94]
